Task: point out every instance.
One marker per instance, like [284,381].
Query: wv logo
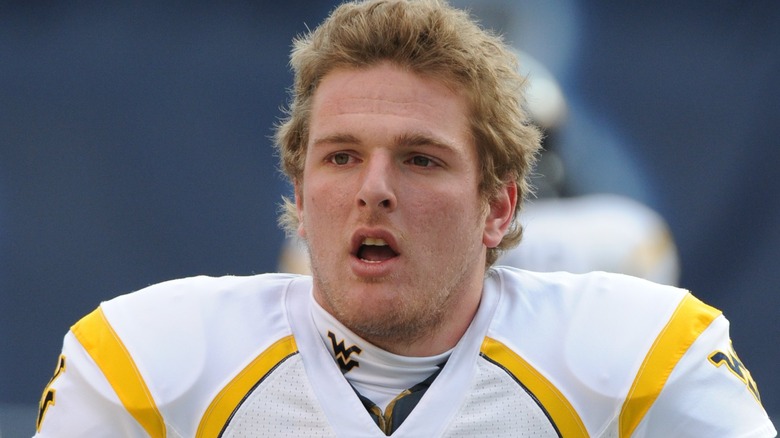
[731,360]
[343,354]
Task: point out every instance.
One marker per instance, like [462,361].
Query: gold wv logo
[343,354]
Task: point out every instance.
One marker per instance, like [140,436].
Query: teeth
[370,241]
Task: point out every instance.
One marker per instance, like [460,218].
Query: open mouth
[374,250]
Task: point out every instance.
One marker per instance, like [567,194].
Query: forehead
[389,91]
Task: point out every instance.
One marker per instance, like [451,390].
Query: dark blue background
[134,148]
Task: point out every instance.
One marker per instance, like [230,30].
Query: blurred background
[135,148]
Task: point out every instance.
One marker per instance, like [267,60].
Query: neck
[439,339]
[456,316]
[373,371]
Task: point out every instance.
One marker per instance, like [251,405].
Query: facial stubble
[413,311]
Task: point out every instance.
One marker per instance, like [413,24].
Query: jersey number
[732,362]
[47,399]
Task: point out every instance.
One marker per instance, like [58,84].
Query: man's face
[389,204]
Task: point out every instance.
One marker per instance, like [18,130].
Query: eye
[422,161]
[340,158]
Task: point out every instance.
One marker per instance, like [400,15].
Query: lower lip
[364,269]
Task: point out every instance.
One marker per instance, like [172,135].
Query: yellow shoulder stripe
[104,346]
[229,398]
[561,412]
[688,321]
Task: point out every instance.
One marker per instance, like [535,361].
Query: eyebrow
[408,140]
[412,140]
[336,139]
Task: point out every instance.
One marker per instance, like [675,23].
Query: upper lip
[361,235]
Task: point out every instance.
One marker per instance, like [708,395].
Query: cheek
[448,213]
[324,205]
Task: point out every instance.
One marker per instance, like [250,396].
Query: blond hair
[429,38]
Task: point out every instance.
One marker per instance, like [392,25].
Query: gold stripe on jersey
[230,397]
[688,321]
[101,342]
[561,412]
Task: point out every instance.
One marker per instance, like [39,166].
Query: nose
[377,190]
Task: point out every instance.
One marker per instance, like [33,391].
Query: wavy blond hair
[429,38]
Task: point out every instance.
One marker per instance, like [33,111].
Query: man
[409,151]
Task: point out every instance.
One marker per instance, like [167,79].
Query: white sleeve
[709,393]
[79,401]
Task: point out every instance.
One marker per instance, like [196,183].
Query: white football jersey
[546,355]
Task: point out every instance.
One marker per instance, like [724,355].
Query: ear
[499,217]
[299,208]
